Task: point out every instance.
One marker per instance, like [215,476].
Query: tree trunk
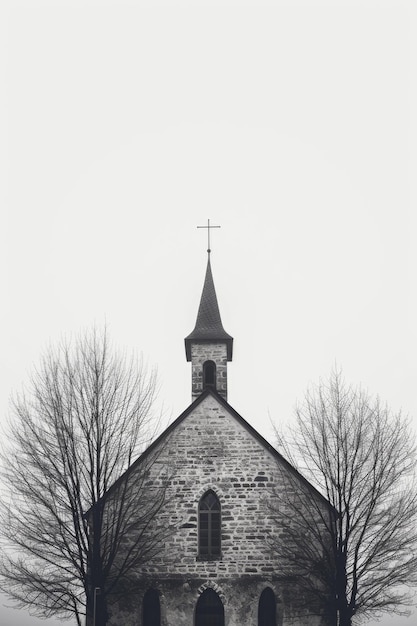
[345,618]
[96,601]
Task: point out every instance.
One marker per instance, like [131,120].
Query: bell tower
[209,347]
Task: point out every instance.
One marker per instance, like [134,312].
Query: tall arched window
[209,374]
[267,608]
[209,610]
[209,526]
[151,608]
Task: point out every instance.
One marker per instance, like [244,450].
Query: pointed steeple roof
[209,327]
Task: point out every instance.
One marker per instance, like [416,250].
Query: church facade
[216,567]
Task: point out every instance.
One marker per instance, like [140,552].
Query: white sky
[124,125]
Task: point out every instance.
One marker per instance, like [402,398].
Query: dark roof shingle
[208,327]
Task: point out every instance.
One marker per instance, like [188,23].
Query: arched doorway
[151,608]
[209,610]
[267,608]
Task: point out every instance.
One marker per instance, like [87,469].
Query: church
[216,566]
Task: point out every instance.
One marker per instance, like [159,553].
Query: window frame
[209,367]
[213,550]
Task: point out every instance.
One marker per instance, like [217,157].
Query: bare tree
[357,556]
[85,418]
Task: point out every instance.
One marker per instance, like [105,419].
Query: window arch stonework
[211,584]
[210,487]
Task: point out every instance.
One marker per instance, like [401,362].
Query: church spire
[209,346]
[209,327]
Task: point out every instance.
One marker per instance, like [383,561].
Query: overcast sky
[124,125]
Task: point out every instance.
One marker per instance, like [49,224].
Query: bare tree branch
[361,559]
[87,415]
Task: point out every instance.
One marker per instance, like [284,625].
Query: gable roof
[210,391]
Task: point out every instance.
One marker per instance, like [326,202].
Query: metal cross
[208,233]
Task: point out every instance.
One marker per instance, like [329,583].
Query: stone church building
[216,568]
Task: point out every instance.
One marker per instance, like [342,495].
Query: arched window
[209,374]
[209,526]
[209,610]
[267,608]
[151,608]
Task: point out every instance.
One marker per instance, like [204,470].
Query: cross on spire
[208,233]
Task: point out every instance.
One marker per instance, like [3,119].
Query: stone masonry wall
[211,449]
[201,352]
